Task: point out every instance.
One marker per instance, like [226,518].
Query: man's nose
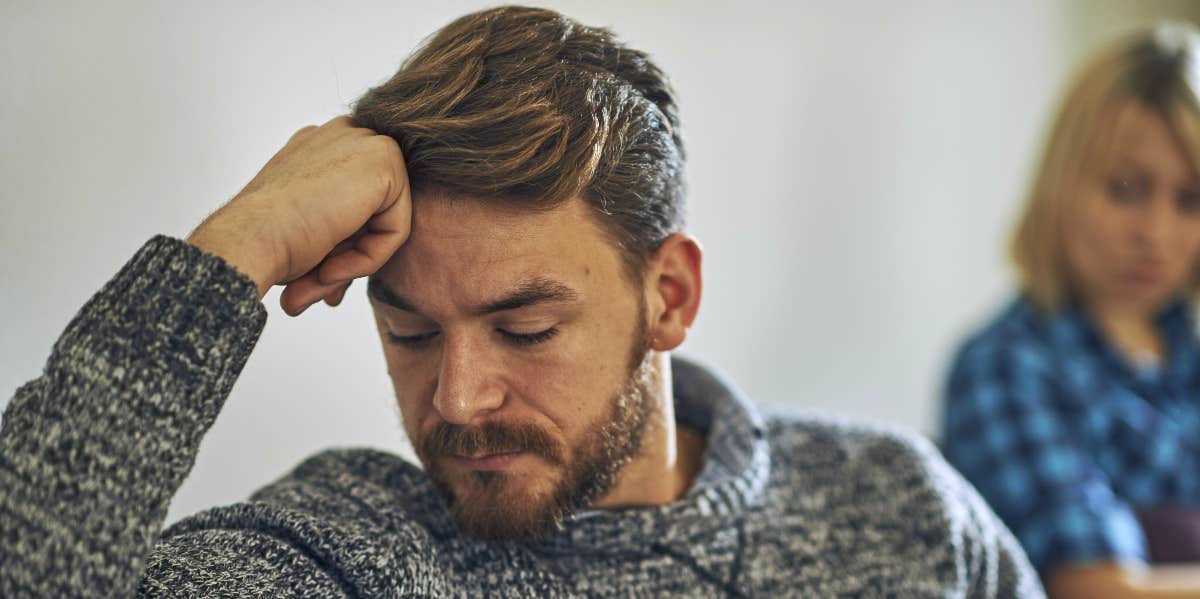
[466,387]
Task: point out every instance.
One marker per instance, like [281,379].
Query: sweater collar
[736,458]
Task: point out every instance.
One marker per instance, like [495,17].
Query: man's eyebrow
[380,293]
[534,291]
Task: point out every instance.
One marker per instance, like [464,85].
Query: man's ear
[673,285]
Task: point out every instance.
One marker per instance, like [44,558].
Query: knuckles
[302,132]
[387,147]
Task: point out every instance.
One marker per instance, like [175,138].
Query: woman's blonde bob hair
[1157,67]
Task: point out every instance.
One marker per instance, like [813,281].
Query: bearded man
[514,197]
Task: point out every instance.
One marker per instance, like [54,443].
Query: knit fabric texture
[92,451]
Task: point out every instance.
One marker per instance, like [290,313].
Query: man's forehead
[444,221]
[474,254]
[483,233]
[457,216]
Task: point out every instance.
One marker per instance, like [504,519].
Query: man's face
[516,348]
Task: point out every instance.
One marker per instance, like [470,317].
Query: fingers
[369,254]
[371,247]
[342,120]
[298,295]
[374,187]
[361,255]
[335,299]
[302,132]
[383,233]
[336,126]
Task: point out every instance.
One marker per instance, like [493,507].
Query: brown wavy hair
[526,106]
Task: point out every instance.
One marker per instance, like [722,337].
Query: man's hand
[331,206]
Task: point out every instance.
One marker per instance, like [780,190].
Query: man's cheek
[556,393]
[415,408]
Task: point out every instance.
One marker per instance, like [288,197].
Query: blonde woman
[1076,412]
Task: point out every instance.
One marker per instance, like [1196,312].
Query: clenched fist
[331,206]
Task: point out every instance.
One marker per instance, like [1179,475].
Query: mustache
[488,438]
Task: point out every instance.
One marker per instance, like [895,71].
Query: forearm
[1125,581]
[92,451]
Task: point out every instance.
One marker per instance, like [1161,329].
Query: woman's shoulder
[1017,332]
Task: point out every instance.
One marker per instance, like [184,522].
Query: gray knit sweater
[92,451]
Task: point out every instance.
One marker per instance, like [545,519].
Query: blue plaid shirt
[1066,439]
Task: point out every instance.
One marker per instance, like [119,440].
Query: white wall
[854,170]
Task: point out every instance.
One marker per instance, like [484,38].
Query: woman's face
[1133,229]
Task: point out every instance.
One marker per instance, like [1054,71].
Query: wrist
[240,250]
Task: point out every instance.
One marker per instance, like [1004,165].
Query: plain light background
[854,170]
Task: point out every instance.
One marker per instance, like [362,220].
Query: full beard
[499,506]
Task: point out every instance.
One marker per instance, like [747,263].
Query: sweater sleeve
[92,451]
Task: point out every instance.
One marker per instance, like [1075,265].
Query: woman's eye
[411,341]
[528,338]
[1123,189]
[1189,201]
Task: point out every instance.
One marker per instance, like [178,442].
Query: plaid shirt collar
[1074,334]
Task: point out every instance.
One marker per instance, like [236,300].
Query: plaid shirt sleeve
[1006,430]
